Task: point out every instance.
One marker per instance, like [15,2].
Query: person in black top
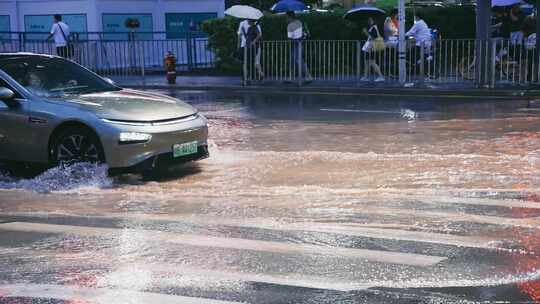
[253,37]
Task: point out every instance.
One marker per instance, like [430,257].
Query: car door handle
[36,120]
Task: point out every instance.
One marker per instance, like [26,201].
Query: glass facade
[4,26]
[178,25]
[36,24]
[115,28]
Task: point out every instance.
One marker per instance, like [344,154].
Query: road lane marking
[379,231]
[359,111]
[508,203]
[347,229]
[97,295]
[410,259]
[291,279]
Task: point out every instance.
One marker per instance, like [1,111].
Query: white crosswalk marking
[290,279]
[380,231]
[342,228]
[98,295]
[235,243]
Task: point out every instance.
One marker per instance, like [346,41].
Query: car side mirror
[110,81]
[7,96]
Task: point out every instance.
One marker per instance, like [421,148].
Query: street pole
[483,40]
[402,41]
[537,47]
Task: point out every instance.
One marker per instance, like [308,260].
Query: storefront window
[35,24]
[180,25]
[4,27]
[116,26]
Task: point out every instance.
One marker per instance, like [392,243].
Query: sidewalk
[428,89]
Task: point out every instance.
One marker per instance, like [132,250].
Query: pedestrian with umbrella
[296,32]
[512,21]
[249,35]
[284,6]
[374,45]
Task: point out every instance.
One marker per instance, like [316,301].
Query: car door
[15,130]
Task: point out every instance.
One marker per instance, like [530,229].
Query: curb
[522,93]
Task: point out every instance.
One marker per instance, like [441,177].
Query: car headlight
[127,138]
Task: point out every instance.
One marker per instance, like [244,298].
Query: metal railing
[128,57]
[491,63]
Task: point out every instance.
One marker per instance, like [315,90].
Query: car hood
[132,105]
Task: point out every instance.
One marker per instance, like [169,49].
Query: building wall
[94,10]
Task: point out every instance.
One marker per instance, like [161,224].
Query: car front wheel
[76,145]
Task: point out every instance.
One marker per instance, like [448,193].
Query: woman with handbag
[370,50]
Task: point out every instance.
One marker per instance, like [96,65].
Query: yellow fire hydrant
[170,67]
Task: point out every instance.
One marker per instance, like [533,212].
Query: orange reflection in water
[530,242]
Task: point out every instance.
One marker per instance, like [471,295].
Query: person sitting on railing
[423,38]
[420,32]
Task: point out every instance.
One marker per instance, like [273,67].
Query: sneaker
[364,79]
[379,79]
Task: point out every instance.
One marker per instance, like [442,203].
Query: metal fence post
[493,62]
[22,38]
[189,51]
[143,71]
[358,59]
[422,57]
[300,61]
[245,66]
[194,60]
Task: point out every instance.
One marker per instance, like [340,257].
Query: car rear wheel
[76,144]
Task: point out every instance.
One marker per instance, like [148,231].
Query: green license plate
[184,149]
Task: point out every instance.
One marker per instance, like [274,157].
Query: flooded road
[305,199]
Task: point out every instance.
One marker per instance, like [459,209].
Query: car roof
[19,54]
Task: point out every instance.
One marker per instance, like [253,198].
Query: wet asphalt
[306,198]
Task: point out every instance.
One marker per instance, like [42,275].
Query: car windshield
[53,77]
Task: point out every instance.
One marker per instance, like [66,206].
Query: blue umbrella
[288,5]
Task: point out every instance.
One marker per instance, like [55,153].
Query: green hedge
[452,22]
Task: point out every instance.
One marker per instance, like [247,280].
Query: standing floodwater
[317,198]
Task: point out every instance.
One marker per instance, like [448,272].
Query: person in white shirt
[421,32]
[60,31]
[423,38]
[243,28]
[297,34]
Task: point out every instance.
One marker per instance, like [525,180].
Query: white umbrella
[505,2]
[244,12]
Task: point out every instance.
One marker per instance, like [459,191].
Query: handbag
[378,44]
[70,50]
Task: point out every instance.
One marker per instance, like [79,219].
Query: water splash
[62,178]
[408,114]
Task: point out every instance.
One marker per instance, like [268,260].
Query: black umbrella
[364,12]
